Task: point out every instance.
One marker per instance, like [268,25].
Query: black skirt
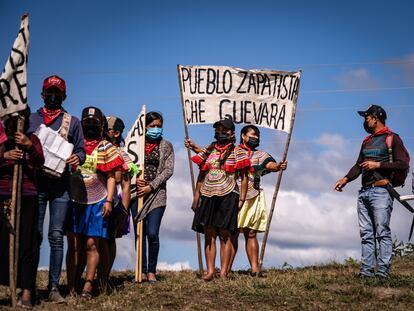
[217,212]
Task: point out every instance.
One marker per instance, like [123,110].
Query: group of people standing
[90,202]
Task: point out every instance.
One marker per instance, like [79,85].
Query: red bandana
[90,145]
[222,149]
[50,115]
[150,146]
[384,130]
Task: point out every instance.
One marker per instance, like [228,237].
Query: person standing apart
[378,164]
[53,190]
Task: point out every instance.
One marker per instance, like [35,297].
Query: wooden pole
[15,207]
[198,239]
[277,186]
[138,261]
[140,205]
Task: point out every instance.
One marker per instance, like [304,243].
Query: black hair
[246,129]
[153,115]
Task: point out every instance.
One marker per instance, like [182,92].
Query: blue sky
[119,55]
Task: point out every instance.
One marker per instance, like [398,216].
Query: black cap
[375,111]
[93,113]
[227,123]
[115,124]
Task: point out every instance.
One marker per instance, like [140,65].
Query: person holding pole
[92,192]
[159,167]
[378,162]
[252,217]
[53,189]
[218,198]
[31,156]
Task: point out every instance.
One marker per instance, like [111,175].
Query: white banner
[13,81]
[264,98]
[135,145]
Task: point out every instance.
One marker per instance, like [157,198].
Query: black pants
[28,245]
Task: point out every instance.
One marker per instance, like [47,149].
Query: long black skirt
[217,212]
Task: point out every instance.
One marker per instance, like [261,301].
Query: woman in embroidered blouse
[92,190]
[252,217]
[217,198]
[159,167]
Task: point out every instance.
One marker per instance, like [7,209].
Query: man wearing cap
[54,190]
[374,200]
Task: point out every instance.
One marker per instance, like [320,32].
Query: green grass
[325,287]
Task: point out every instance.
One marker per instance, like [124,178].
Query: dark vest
[374,150]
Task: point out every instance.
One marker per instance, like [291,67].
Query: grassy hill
[326,287]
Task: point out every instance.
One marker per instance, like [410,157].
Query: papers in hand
[55,148]
[407,197]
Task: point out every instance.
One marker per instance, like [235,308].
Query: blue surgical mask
[154,133]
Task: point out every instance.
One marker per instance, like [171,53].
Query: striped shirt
[259,160]
[221,180]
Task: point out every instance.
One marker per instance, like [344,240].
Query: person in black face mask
[381,159]
[91,192]
[54,190]
[252,217]
[218,198]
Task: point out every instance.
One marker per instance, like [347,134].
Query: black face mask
[92,132]
[368,129]
[253,143]
[53,101]
[221,138]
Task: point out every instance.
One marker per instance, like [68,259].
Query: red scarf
[90,145]
[50,115]
[384,130]
[149,147]
[222,149]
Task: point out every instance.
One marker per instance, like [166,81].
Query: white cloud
[176,266]
[357,78]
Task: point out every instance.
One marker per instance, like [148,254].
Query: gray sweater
[158,196]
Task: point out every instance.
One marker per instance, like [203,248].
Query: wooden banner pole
[277,186]
[140,203]
[15,207]
[198,239]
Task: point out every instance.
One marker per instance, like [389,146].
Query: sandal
[152,281]
[208,277]
[86,294]
[24,304]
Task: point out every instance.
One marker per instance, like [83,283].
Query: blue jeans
[151,229]
[374,215]
[58,208]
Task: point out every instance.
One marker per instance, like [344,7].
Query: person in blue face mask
[159,167]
